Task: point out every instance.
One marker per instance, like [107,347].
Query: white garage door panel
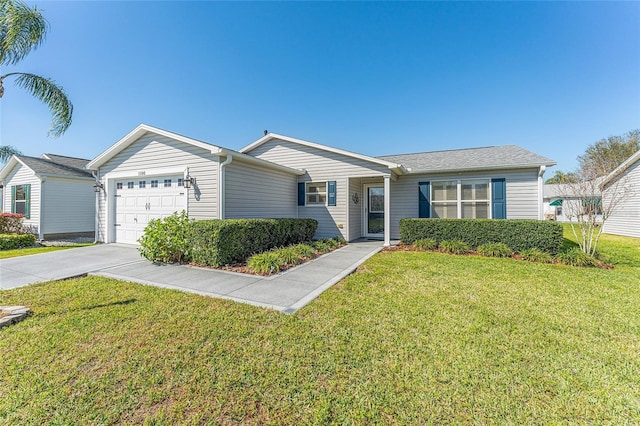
[137,202]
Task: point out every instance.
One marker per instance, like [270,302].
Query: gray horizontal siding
[22,175]
[69,206]
[522,194]
[152,151]
[355,210]
[253,191]
[625,217]
[322,166]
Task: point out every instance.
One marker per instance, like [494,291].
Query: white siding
[252,191]
[625,217]
[321,166]
[355,210]
[153,152]
[22,175]
[522,194]
[68,205]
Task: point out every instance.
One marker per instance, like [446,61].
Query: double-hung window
[316,193]
[21,200]
[457,199]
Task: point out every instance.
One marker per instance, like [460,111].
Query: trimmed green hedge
[221,242]
[16,241]
[517,234]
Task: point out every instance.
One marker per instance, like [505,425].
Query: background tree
[584,203]
[23,29]
[562,177]
[6,151]
[605,155]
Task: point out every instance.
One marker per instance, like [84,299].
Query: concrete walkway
[286,292]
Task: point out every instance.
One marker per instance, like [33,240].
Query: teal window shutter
[499,198]
[424,204]
[301,193]
[13,199]
[331,193]
[27,201]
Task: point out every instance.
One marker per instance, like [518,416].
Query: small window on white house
[129,185]
[119,185]
[316,193]
[167,183]
[142,184]
[154,183]
[20,200]
[180,182]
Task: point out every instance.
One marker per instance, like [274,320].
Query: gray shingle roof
[57,165]
[491,157]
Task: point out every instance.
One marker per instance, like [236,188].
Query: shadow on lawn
[87,308]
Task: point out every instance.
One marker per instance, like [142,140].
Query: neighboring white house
[151,173]
[561,201]
[54,192]
[624,219]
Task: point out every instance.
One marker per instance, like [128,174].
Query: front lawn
[4,254]
[412,338]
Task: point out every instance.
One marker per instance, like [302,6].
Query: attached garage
[140,199]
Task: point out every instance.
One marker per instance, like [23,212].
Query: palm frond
[52,95]
[22,29]
[6,152]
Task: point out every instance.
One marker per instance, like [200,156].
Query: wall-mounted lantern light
[98,186]
[189,181]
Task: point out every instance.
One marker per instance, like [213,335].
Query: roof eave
[615,173]
[487,168]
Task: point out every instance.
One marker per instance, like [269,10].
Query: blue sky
[375,78]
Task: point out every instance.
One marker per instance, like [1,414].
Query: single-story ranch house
[151,173]
[53,192]
[624,219]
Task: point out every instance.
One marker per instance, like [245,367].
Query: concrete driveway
[56,265]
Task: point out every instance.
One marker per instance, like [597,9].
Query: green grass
[412,338]
[4,254]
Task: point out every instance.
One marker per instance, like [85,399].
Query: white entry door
[140,199]
[374,211]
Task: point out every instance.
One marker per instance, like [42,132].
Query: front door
[374,215]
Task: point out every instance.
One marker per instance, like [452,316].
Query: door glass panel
[375,215]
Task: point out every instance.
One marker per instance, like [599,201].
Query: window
[167,183]
[154,183]
[129,185]
[455,199]
[316,193]
[21,200]
[142,184]
[119,185]
[180,182]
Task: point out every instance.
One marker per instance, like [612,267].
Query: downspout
[221,196]
[43,179]
[540,192]
[96,221]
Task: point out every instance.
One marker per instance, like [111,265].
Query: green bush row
[517,234]
[219,242]
[16,241]
[11,223]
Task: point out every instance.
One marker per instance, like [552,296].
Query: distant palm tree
[23,29]
[7,152]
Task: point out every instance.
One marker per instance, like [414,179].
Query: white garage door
[140,199]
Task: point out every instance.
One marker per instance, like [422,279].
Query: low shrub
[221,242]
[268,262]
[304,250]
[11,223]
[425,244]
[517,234]
[576,257]
[494,250]
[454,247]
[16,241]
[167,240]
[535,255]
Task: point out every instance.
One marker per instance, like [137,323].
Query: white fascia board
[611,176]
[479,169]
[270,136]
[47,175]
[135,134]
[259,161]
[13,161]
